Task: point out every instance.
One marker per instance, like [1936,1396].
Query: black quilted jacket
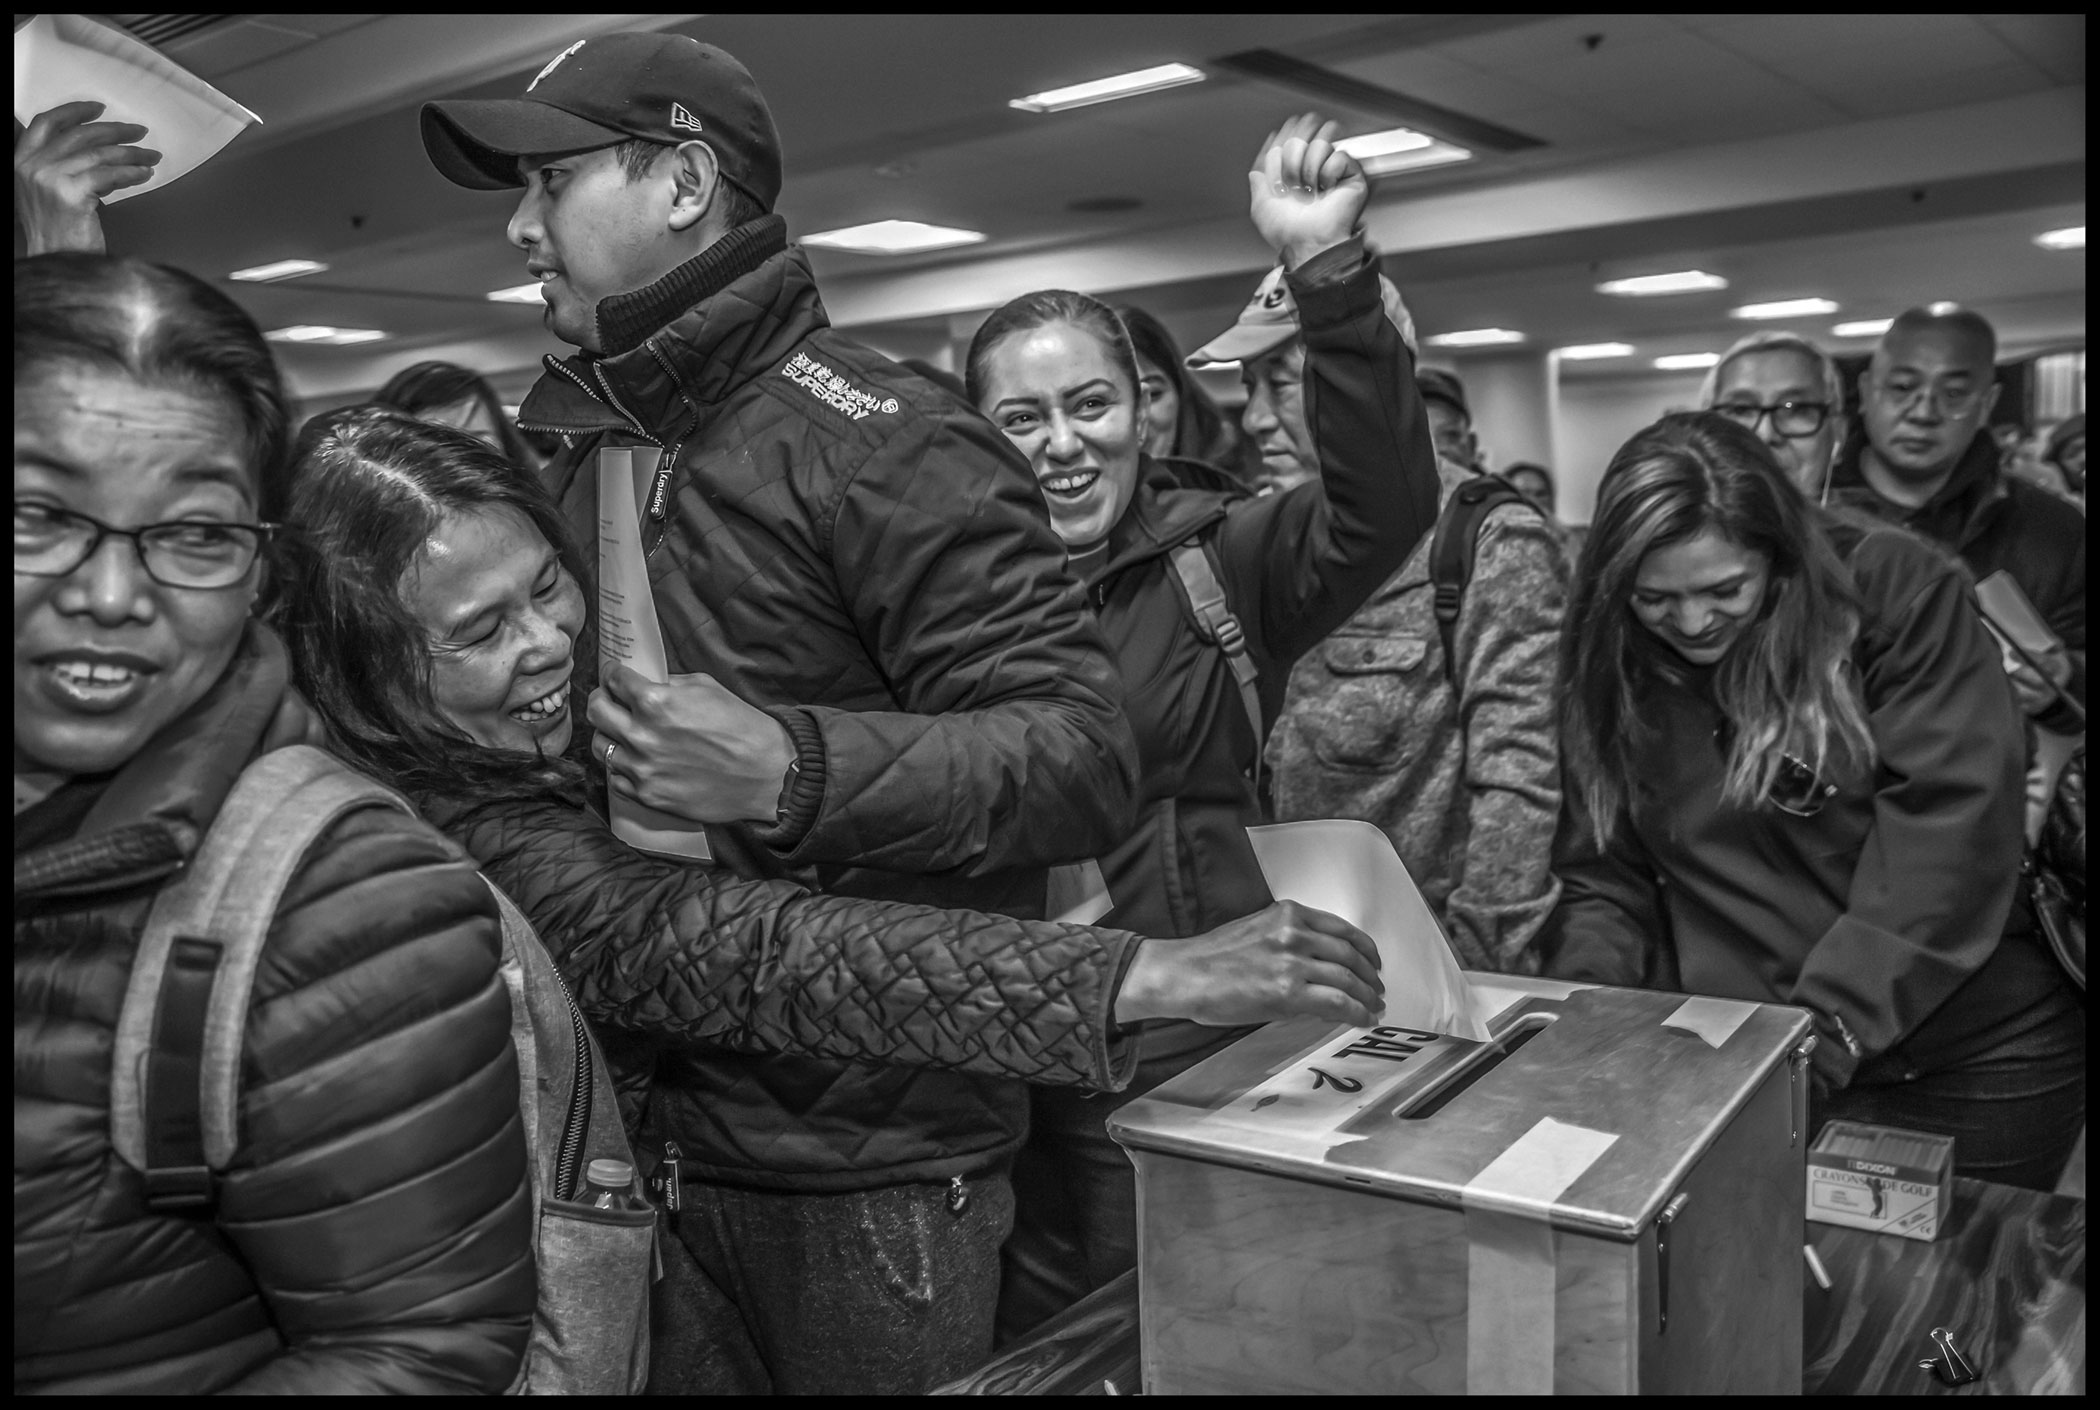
[663,955]
[373,1233]
[840,541]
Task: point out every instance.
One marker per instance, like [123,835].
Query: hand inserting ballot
[1286,961]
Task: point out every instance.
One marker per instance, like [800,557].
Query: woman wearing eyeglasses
[1794,775]
[371,1232]
[1789,394]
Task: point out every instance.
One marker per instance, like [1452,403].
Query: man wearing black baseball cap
[886,684]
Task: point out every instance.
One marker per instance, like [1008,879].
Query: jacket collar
[1962,508]
[684,343]
[1163,515]
[152,813]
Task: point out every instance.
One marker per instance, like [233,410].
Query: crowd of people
[936,656]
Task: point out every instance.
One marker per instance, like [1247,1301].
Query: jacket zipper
[569,1159]
[556,366]
[634,422]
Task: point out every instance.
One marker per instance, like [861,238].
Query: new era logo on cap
[680,118]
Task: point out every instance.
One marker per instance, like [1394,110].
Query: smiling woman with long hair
[1794,775]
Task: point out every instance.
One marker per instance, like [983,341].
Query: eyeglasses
[1789,418]
[1797,790]
[185,553]
[1951,401]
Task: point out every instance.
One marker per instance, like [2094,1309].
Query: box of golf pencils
[1880,1178]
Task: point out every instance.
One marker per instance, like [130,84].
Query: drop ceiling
[1875,160]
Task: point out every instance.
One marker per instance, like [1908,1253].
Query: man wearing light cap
[886,682]
[1265,343]
[1440,732]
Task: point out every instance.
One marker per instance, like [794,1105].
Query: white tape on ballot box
[1510,1268]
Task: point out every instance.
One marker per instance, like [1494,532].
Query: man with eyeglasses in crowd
[1923,457]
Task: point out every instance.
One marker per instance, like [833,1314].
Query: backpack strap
[1453,549]
[175,1079]
[1216,624]
[562,1062]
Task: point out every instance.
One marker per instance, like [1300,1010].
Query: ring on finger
[610,745]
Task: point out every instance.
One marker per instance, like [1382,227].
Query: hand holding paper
[62,60]
[1351,870]
[689,747]
[1287,961]
[65,166]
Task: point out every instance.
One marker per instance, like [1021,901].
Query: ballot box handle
[1797,1076]
[1663,1221]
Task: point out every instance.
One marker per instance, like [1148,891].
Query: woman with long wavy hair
[1794,775]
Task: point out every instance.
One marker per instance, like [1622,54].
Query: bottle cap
[609,1174]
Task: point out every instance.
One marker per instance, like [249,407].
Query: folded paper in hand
[71,58]
[1350,869]
[629,635]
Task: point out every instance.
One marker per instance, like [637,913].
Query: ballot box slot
[1433,1098]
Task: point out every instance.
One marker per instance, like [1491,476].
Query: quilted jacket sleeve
[1008,747]
[379,1194]
[693,954]
[1312,555]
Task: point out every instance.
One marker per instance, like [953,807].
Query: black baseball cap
[1435,384]
[662,87]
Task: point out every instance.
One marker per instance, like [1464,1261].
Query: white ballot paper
[628,633]
[71,58]
[1350,869]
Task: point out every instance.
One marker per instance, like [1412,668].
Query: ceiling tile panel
[1440,79]
[1885,95]
[1555,40]
[1829,53]
[2055,44]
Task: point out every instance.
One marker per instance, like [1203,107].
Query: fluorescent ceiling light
[1861,328]
[1101,90]
[1475,338]
[283,269]
[1786,308]
[323,336]
[2071,237]
[893,237]
[1682,281]
[1687,362]
[516,294]
[1400,149]
[1585,352]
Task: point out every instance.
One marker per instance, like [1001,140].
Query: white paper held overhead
[71,58]
[1350,869]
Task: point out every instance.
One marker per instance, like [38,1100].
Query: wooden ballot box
[1603,1197]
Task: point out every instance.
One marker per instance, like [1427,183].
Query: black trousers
[2014,1114]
